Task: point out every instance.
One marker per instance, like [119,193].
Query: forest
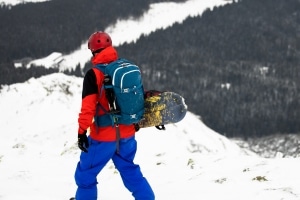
[238,66]
[34,30]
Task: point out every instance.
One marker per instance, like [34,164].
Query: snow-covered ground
[38,151]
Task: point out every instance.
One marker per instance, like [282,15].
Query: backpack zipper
[115,72]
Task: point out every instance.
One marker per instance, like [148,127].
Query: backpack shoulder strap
[107,85]
[110,95]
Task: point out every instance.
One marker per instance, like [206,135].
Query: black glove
[151,93]
[161,127]
[136,127]
[83,142]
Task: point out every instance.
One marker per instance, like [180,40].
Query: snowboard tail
[164,108]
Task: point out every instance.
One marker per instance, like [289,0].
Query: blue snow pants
[99,153]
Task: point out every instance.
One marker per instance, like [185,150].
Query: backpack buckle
[133,116]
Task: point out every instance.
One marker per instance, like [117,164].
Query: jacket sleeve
[89,101]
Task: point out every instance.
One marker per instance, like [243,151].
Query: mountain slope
[38,153]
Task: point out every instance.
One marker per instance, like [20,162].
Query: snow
[15,2]
[38,151]
[50,61]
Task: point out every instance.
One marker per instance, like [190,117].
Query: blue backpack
[124,91]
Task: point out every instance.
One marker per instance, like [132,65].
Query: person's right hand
[83,142]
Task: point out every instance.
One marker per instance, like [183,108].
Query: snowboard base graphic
[162,109]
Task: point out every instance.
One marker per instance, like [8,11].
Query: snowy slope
[38,153]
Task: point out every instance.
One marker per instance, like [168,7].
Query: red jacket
[92,83]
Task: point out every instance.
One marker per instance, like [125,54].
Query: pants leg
[131,174]
[89,166]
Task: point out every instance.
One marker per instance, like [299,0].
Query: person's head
[99,41]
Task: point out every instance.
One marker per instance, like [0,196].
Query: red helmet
[99,40]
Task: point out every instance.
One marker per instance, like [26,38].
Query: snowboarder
[99,146]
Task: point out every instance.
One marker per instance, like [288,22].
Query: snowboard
[162,109]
